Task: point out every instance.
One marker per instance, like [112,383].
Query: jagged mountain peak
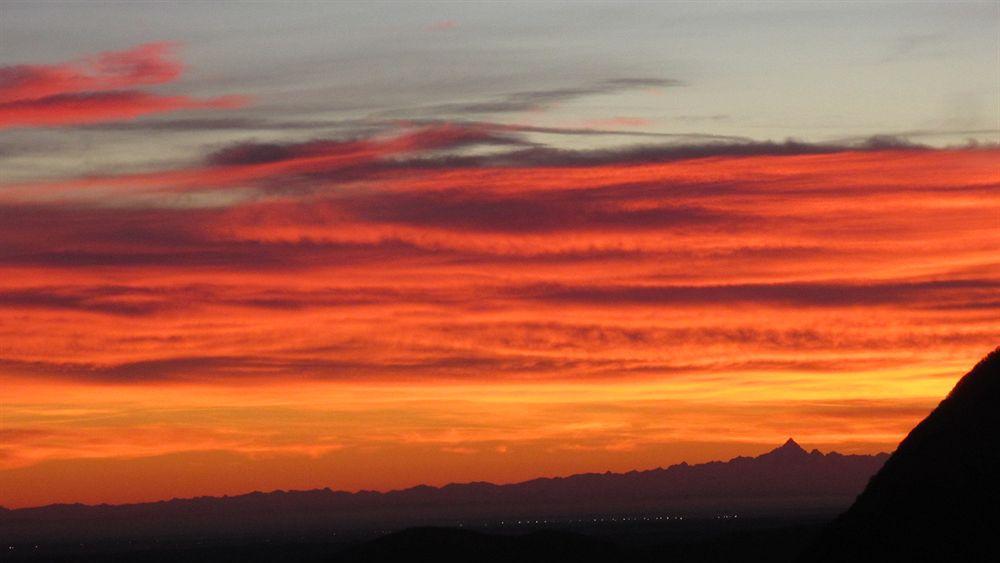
[791,445]
[789,450]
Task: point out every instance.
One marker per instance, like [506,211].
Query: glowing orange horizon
[396,309]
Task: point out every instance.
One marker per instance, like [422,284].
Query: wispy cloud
[536,100]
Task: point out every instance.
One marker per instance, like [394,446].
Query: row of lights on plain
[609,519]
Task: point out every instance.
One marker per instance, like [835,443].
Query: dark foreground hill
[696,542]
[786,481]
[549,546]
[751,545]
[938,497]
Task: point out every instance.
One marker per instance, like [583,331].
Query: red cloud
[443,25]
[66,109]
[140,66]
[99,88]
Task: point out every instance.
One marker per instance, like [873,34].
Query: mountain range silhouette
[787,480]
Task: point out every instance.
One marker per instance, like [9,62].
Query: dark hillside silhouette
[938,496]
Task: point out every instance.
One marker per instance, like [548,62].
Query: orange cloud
[457,296]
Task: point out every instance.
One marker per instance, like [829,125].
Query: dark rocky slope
[938,496]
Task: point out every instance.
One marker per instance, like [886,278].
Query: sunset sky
[367,246]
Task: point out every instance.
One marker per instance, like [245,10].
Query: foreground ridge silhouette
[937,498]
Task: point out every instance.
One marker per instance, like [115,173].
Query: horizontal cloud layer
[406,223]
